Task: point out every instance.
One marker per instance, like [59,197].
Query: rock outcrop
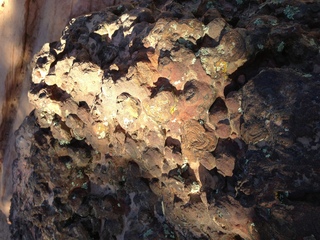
[173,121]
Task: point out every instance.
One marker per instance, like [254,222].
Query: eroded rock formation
[24,27]
[170,121]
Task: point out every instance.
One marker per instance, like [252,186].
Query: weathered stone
[150,125]
[225,155]
[215,28]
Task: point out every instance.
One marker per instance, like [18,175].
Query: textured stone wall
[174,120]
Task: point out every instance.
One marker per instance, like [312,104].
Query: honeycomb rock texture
[169,121]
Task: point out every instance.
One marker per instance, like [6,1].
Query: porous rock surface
[151,121]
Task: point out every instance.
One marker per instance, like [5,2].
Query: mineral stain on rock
[140,131]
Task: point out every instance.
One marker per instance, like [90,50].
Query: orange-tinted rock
[215,28]
[218,111]
[223,129]
[206,159]
[196,137]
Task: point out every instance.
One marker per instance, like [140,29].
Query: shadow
[280,87]
[281,168]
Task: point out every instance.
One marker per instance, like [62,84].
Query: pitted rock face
[138,76]
[139,132]
[139,90]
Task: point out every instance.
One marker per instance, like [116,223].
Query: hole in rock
[57,191]
[60,206]
[146,181]
[231,87]
[163,84]
[174,144]
[78,193]
[40,136]
[187,44]
[212,195]
[227,147]
[234,21]
[41,61]
[190,90]
[176,199]
[65,159]
[36,88]
[57,121]
[156,182]
[81,147]
[195,198]
[224,121]
[230,186]
[218,107]
[237,237]
[124,96]
[164,58]
[42,95]
[57,94]
[96,37]
[107,54]
[54,45]
[183,174]
[134,169]
[206,42]
[45,188]
[83,104]
[119,129]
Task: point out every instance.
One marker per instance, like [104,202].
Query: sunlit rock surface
[169,121]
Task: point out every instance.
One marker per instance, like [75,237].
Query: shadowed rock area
[174,120]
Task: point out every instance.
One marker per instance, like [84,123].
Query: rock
[215,27]
[284,99]
[225,156]
[154,121]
